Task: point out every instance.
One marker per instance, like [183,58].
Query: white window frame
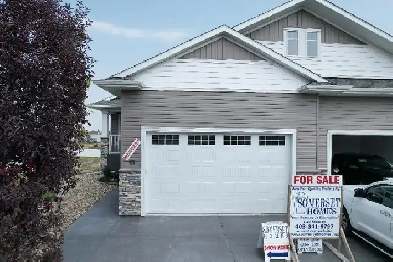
[298,41]
[302,42]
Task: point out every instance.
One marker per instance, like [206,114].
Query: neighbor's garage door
[216,173]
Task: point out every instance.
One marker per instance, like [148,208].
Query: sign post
[315,208]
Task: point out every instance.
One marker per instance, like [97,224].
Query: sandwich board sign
[127,155]
[309,245]
[276,241]
[315,206]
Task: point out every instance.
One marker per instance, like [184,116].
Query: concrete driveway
[102,235]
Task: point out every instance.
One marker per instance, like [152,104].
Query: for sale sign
[127,155]
[276,240]
[315,206]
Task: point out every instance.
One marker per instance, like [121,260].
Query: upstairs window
[303,43]
[312,44]
[293,43]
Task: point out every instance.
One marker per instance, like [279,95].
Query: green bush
[107,172]
[48,196]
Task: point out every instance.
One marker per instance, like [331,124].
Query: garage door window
[237,140]
[165,139]
[204,140]
[272,140]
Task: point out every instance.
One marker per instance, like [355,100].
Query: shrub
[107,172]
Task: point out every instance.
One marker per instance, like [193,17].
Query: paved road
[102,235]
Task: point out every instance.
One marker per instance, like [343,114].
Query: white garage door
[216,174]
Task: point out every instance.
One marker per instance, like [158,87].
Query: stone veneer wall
[129,193]
[104,152]
[130,190]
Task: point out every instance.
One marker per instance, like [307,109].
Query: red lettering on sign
[283,247]
[276,247]
[328,180]
[302,180]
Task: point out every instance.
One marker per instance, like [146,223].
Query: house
[228,117]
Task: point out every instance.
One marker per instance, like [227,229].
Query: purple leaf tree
[44,68]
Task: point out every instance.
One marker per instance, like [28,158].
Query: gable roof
[223,30]
[111,102]
[328,11]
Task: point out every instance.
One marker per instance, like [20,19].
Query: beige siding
[222,49]
[302,19]
[226,110]
[340,113]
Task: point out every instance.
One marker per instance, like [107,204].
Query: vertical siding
[303,19]
[222,49]
[226,110]
[350,113]
[115,118]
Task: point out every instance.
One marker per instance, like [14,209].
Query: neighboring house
[226,118]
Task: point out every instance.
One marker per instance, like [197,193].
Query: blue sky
[126,32]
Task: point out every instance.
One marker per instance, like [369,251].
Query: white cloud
[164,35]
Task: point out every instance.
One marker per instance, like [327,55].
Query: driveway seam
[235,259]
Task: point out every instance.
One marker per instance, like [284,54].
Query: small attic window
[312,44]
[302,42]
[293,42]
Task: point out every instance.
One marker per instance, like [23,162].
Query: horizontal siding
[222,49]
[349,61]
[345,113]
[303,19]
[224,75]
[225,110]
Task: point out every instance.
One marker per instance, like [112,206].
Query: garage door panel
[202,171]
[168,155]
[212,179]
[166,171]
[264,187]
[192,188]
[228,187]
[201,155]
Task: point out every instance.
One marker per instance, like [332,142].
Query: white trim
[336,25]
[332,133]
[148,129]
[345,90]
[143,169]
[98,107]
[302,42]
[267,15]
[325,3]
[222,31]
[319,42]
[355,19]
[115,86]
[105,124]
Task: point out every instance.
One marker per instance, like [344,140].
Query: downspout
[317,133]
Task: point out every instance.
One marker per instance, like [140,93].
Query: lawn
[89,164]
